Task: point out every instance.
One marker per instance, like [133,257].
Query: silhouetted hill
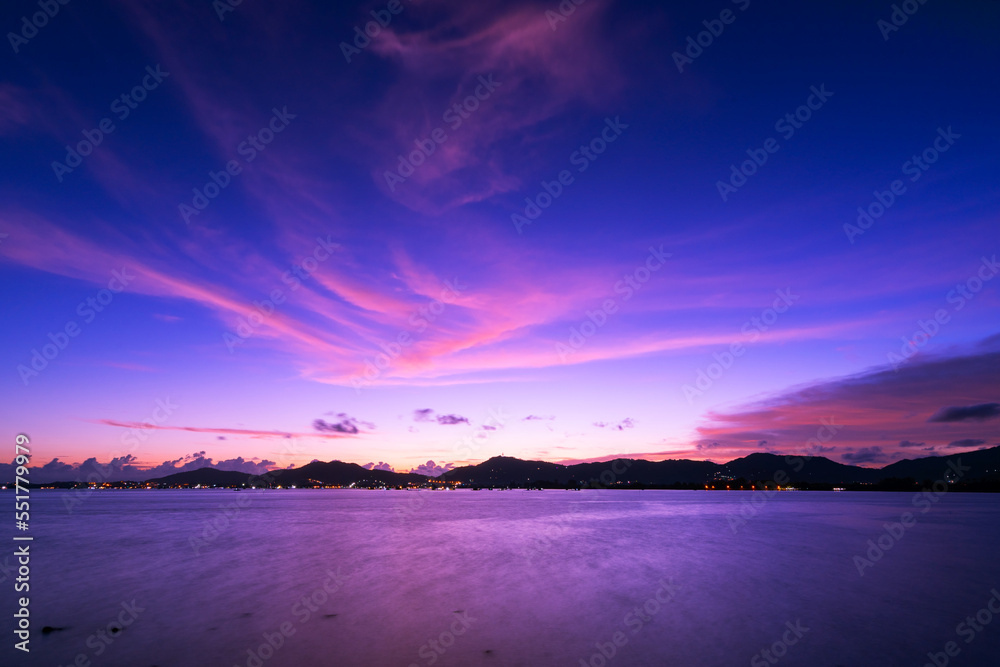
[985,464]
[205,477]
[339,473]
[499,470]
[333,473]
[817,469]
[504,471]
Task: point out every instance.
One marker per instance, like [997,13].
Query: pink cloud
[441,66]
[876,415]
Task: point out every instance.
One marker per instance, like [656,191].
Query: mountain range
[504,471]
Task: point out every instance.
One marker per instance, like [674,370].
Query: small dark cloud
[220,437]
[449,420]
[324,426]
[347,424]
[531,418]
[628,422]
[865,455]
[708,445]
[980,412]
[909,443]
[427,415]
[487,427]
[966,443]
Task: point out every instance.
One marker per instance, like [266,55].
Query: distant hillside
[985,464]
[343,474]
[205,477]
[334,473]
[815,470]
[503,471]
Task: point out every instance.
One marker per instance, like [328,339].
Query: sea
[598,578]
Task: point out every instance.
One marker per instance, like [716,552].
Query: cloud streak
[980,412]
[253,433]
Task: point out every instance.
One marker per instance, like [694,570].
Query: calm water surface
[508,578]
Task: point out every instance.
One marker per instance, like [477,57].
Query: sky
[253,236]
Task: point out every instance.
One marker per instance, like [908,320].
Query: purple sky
[490,230]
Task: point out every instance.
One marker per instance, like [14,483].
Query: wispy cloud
[872,454]
[253,433]
[980,412]
[427,415]
[626,423]
[967,443]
